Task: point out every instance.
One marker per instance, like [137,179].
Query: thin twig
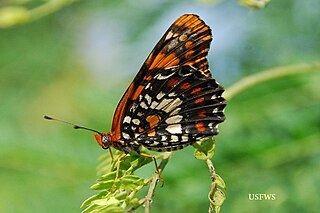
[153,184]
[270,74]
[213,186]
[151,190]
[141,201]
[211,168]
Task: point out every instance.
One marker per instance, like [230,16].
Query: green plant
[119,195]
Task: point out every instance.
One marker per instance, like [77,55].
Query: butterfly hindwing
[160,116]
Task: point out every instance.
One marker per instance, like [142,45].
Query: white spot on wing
[169,35]
[175,111]
[215,110]
[154,143]
[125,135]
[163,138]
[134,107]
[184,138]
[174,138]
[148,98]
[163,77]
[174,119]
[174,129]
[148,85]
[172,105]
[160,95]
[153,104]
[127,119]
[163,103]
[136,121]
[143,105]
[172,94]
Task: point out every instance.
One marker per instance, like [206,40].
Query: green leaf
[103,185]
[106,201]
[131,182]
[204,149]
[94,197]
[108,176]
[216,198]
[219,181]
[90,209]
[135,162]
[122,195]
[132,178]
[109,209]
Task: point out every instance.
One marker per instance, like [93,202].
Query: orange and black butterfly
[173,101]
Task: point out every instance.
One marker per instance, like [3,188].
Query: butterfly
[173,101]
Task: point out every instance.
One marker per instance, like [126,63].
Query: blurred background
[74,59]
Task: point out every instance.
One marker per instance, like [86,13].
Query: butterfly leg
[118,164]
[118,169]
[155,163]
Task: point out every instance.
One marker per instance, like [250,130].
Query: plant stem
[270,74]
[213,186]
[211,168]
[155,180]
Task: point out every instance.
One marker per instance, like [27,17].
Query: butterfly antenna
[74,126]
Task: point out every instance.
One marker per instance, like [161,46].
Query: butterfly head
[103,139]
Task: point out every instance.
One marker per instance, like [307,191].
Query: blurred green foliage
[61,66]
[15,12]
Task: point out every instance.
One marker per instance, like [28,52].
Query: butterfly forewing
[173,101]
[187,41]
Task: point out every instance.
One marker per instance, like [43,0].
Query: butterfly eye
[103,140]
[106,140]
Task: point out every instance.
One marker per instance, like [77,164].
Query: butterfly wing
[182,49]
